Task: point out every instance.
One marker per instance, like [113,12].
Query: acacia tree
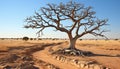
[25,38]
[73,18]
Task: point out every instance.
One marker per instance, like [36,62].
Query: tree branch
[99,24]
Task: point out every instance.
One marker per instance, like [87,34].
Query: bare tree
[72,18]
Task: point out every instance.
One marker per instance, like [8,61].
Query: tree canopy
[67,18]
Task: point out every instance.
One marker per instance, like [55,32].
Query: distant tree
[2,38]
[39,39]
[71,18]
[80,39]
[34,39]
[25,38]
[116,39]
[31,38]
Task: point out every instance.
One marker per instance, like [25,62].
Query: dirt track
[43,55]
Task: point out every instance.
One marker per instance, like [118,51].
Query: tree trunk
[72,43]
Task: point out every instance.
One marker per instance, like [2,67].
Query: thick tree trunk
[72,43]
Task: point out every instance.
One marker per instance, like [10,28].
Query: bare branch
[98,24]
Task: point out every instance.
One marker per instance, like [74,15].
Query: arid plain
[108,53]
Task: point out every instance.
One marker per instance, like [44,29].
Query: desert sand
[108,52]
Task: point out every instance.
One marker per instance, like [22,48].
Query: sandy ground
[108,51]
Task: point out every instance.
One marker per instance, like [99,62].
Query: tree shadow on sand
[104,55]
[33,48]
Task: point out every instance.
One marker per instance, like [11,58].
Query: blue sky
[14,12]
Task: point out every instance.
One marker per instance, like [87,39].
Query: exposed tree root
[73,52]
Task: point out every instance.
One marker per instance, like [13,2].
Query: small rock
[86,66]
[55,57]
[80,62]
[63,59]
[50,66]
[91,66]
[58,58]
[97,67]
[75,62]
[82,65]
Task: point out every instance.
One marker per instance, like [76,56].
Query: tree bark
[72,43]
